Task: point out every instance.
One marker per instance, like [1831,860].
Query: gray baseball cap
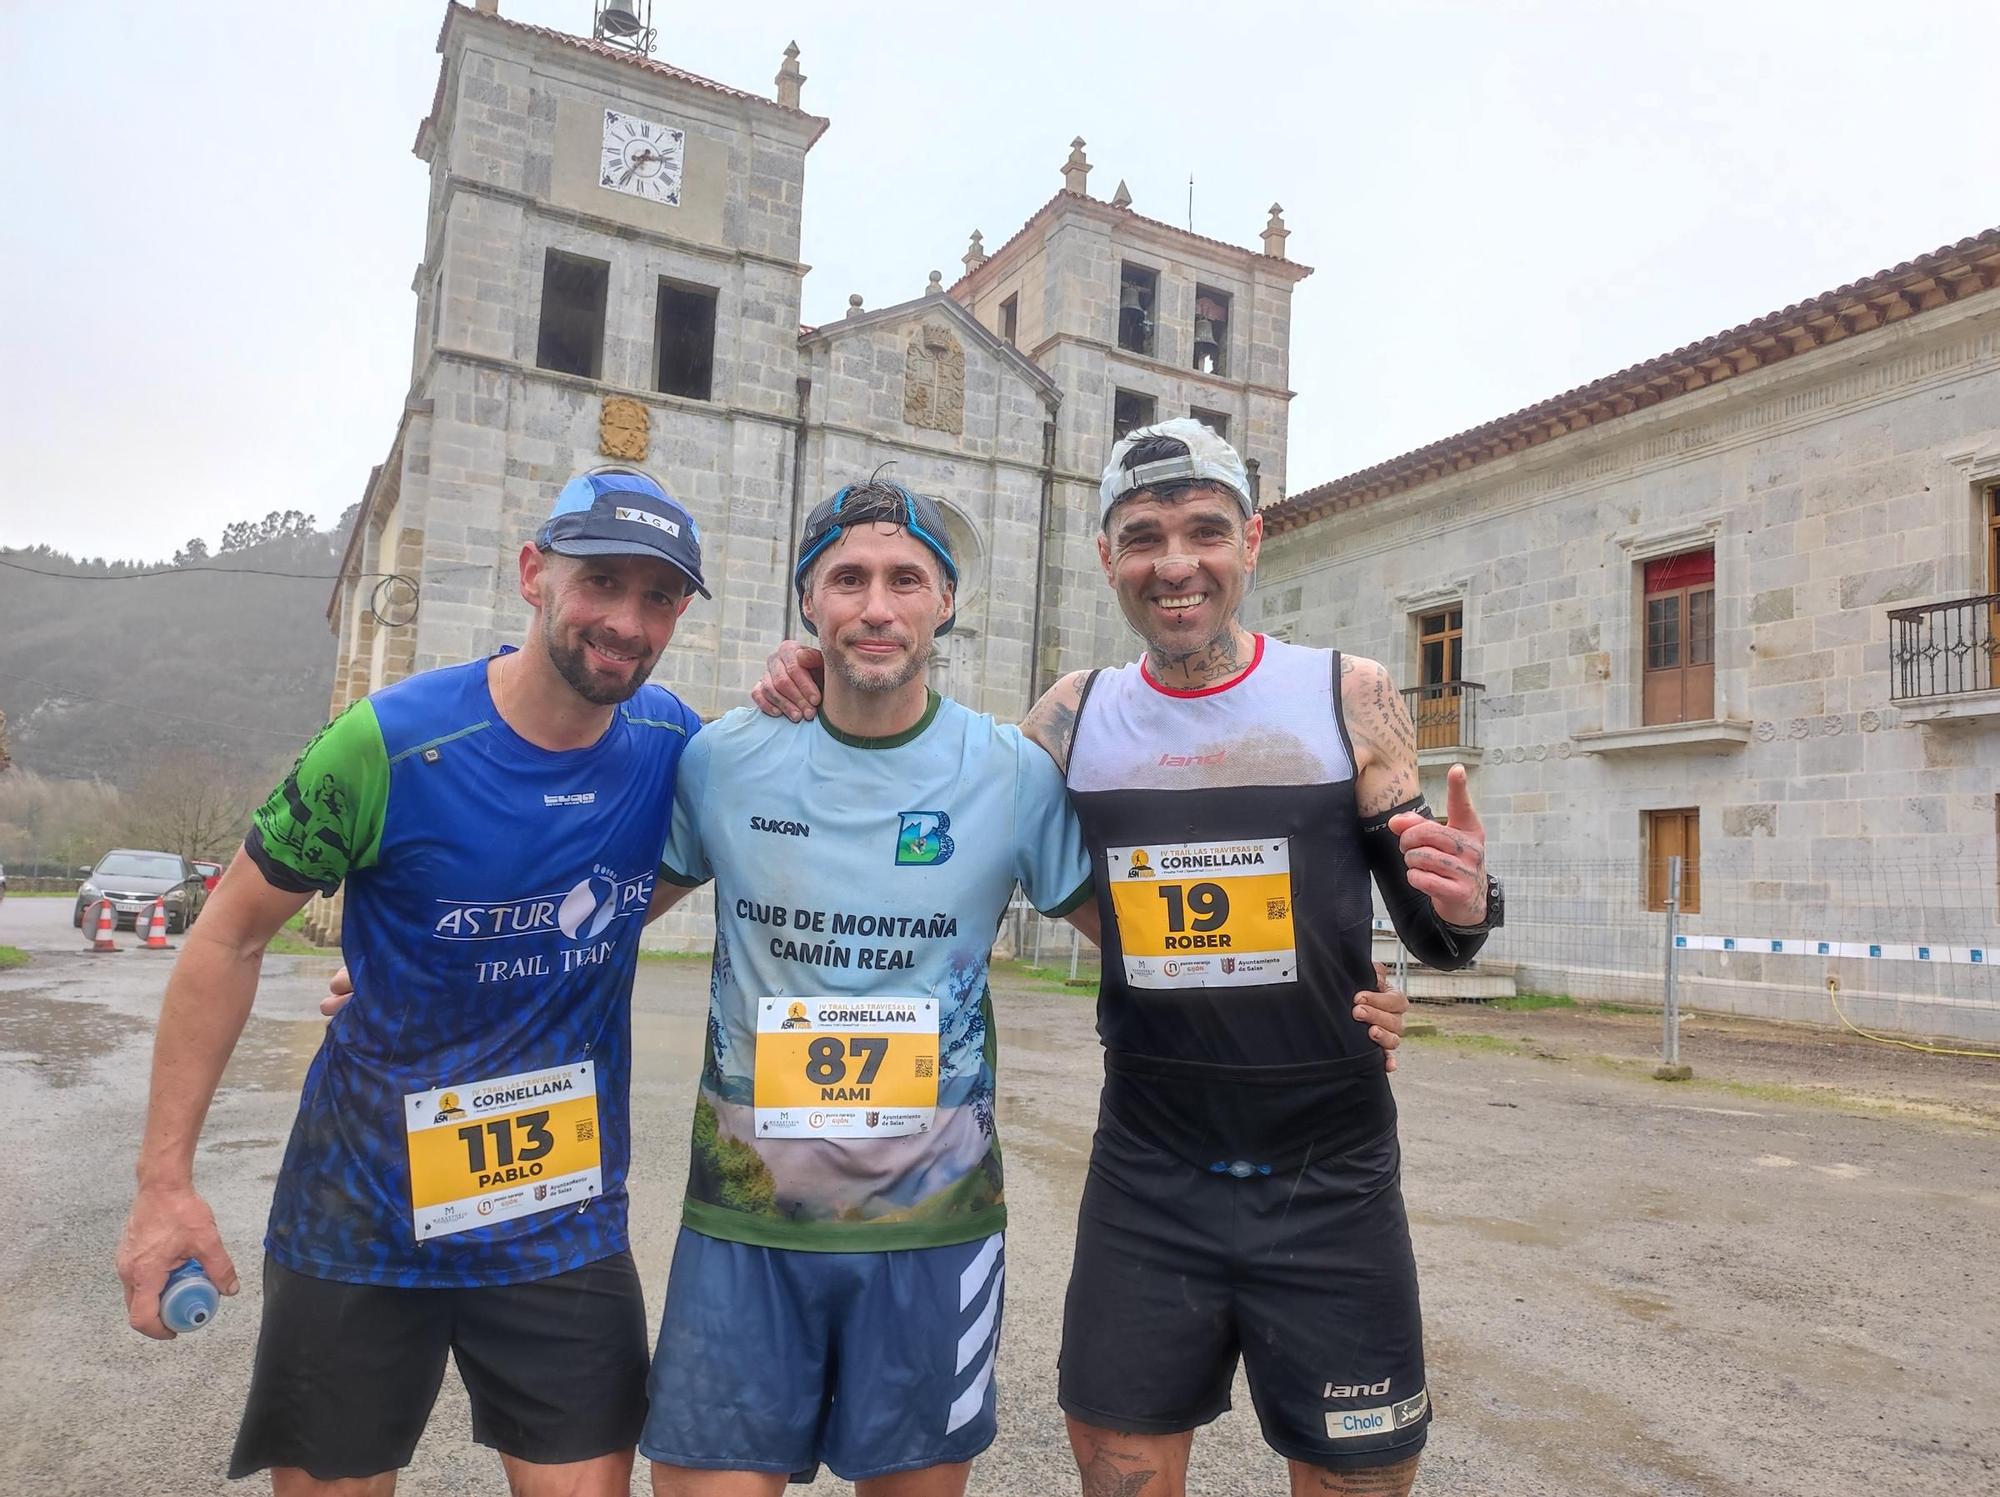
[1209,460]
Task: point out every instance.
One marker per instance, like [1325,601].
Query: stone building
[611,273]
[1733,605]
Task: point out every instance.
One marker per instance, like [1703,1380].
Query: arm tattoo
[1380,726]
[1052,722]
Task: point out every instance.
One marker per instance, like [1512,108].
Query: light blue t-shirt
[847,1083]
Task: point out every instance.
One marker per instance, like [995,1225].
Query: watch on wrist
[1496,912]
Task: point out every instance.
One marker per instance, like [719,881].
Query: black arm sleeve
[1430,940]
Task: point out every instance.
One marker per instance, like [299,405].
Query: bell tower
[610,272]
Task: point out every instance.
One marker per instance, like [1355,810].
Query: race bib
[1204,914]
[846,1067]
[487,1151]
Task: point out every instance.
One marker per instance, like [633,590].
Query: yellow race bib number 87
[1204,914]
[846,1067]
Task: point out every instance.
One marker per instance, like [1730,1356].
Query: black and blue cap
[876,501]
[622,512]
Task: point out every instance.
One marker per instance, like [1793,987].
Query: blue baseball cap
[874,501]
[622,512]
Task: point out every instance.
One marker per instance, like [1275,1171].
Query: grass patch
[41,894]
[1050,979]
[1528,1003]
[675,956]
[12,956]
[1622,1008]
[291,941]
[1464,1039]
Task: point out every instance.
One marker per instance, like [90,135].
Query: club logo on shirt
[923,840]
[782,828]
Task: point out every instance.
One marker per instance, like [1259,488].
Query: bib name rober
[1204,914]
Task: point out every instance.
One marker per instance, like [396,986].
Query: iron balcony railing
[1446,713]
[1944,649]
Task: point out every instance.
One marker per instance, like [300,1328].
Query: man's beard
[575,669]
[881,678]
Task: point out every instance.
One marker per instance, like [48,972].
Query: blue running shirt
[465,1120]
[846,1097]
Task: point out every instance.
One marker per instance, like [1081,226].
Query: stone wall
[1830,487]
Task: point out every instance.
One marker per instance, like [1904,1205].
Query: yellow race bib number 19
[1204,914]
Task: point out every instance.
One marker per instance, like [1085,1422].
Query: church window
[1010,319]
[1993,540]
[1211,330]
[1669,835]
[1679,684]
[1437,705]
[571,338]
[1138,293]
[1129,411]
[684,332]
[1215,421]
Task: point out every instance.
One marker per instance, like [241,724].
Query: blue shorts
[774,1359]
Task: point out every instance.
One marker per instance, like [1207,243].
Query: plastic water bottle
[188,1300]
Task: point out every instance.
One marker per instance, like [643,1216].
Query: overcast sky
[211,213]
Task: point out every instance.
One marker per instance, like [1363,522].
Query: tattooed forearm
[1383,1481]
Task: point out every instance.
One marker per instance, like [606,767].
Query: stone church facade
[1732,605]
[611,273]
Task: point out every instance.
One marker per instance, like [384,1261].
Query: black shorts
[1305,1272]
[346,1373]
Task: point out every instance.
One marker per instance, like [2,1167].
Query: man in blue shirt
[455,1180]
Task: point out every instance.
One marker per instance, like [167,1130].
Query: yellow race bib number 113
[1204,914]
[487,1151]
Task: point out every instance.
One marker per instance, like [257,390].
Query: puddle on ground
[273,1054]
[59,1040]
[1496,1228]
[1644,1306]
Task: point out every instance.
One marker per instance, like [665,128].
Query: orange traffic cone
[107,928]
[156,928]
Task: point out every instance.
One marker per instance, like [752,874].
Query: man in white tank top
[1238,793]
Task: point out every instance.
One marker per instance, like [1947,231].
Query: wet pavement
[1780,1279]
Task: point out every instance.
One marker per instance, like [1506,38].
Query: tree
[189,804]
[192,554]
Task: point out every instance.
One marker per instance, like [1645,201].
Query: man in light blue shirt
[837,1285]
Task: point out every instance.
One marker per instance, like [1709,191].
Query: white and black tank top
[1234,890]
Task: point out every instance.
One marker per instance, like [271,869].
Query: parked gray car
[132,879]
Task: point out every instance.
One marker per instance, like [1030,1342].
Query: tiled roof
[454,10]
[1041,214]
[1946,275]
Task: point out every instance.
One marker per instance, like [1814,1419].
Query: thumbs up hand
[1447,860]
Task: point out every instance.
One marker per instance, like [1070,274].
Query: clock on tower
[642,158]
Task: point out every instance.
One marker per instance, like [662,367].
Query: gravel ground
[1778,1278]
